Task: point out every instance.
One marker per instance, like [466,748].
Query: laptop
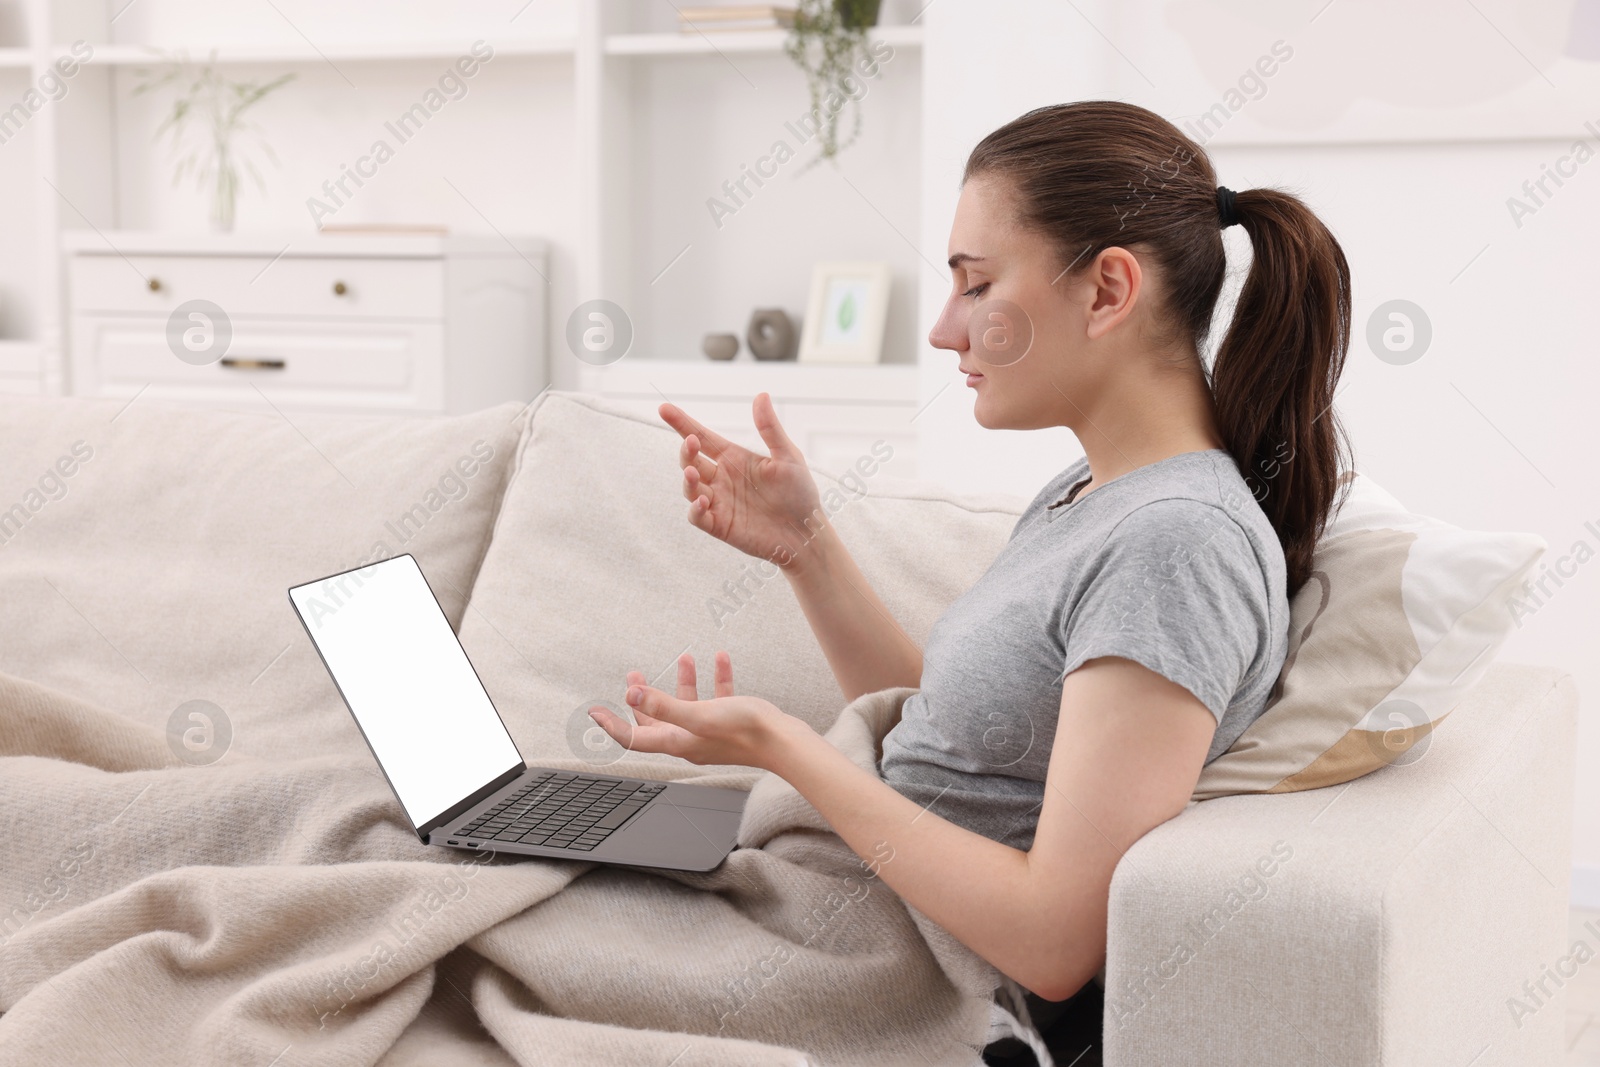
[448,757]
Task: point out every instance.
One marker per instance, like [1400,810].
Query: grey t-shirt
[1173,565]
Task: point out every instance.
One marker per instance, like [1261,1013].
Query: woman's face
[1024,328]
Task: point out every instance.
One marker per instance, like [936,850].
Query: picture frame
[846,313]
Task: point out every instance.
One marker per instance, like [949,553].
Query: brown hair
[1100,174]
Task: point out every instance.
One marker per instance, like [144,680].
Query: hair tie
[1226,213]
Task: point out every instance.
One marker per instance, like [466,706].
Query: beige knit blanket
[283,914]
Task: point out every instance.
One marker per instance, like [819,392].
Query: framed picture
[846,313]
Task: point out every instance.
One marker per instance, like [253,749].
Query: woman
[1137,619]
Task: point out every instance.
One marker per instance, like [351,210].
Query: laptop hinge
[478,797]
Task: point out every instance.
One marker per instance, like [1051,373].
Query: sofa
[145,552]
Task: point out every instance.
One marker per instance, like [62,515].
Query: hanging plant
[206,123]
[828,41]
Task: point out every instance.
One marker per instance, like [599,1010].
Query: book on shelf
[735,17]
[366,228]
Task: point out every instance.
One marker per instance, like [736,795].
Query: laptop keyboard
[561,810]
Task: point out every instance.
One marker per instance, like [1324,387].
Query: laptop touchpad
[665,835]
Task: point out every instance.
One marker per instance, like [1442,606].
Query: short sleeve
[1178,587]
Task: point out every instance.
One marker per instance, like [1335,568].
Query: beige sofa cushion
[594,570]
[1401,617]
[146,551]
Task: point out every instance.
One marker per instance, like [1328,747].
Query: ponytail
[1099,173]
[1274,374]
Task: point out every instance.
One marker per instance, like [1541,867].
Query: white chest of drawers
[384,324]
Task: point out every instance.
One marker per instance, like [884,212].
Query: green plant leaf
[825,43]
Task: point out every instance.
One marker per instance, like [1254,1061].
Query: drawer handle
[253,364]
[339,289]
[155,285]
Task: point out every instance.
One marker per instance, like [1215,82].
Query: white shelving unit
[33,363]
[745,42]
[140,55]
[619,52]
[623,57]
[72,162]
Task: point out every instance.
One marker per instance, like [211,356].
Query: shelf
[15,59]
[867,383]
[741,41]
[141,54]
[296,244]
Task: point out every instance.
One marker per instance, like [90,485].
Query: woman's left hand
[728,729]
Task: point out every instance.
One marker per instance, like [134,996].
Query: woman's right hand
[765,506]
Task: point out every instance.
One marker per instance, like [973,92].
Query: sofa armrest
[1391,920]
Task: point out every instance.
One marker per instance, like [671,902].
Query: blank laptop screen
[410,686]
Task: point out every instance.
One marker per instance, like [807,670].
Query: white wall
[1407,137]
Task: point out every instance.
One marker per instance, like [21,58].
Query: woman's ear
[1117,281]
